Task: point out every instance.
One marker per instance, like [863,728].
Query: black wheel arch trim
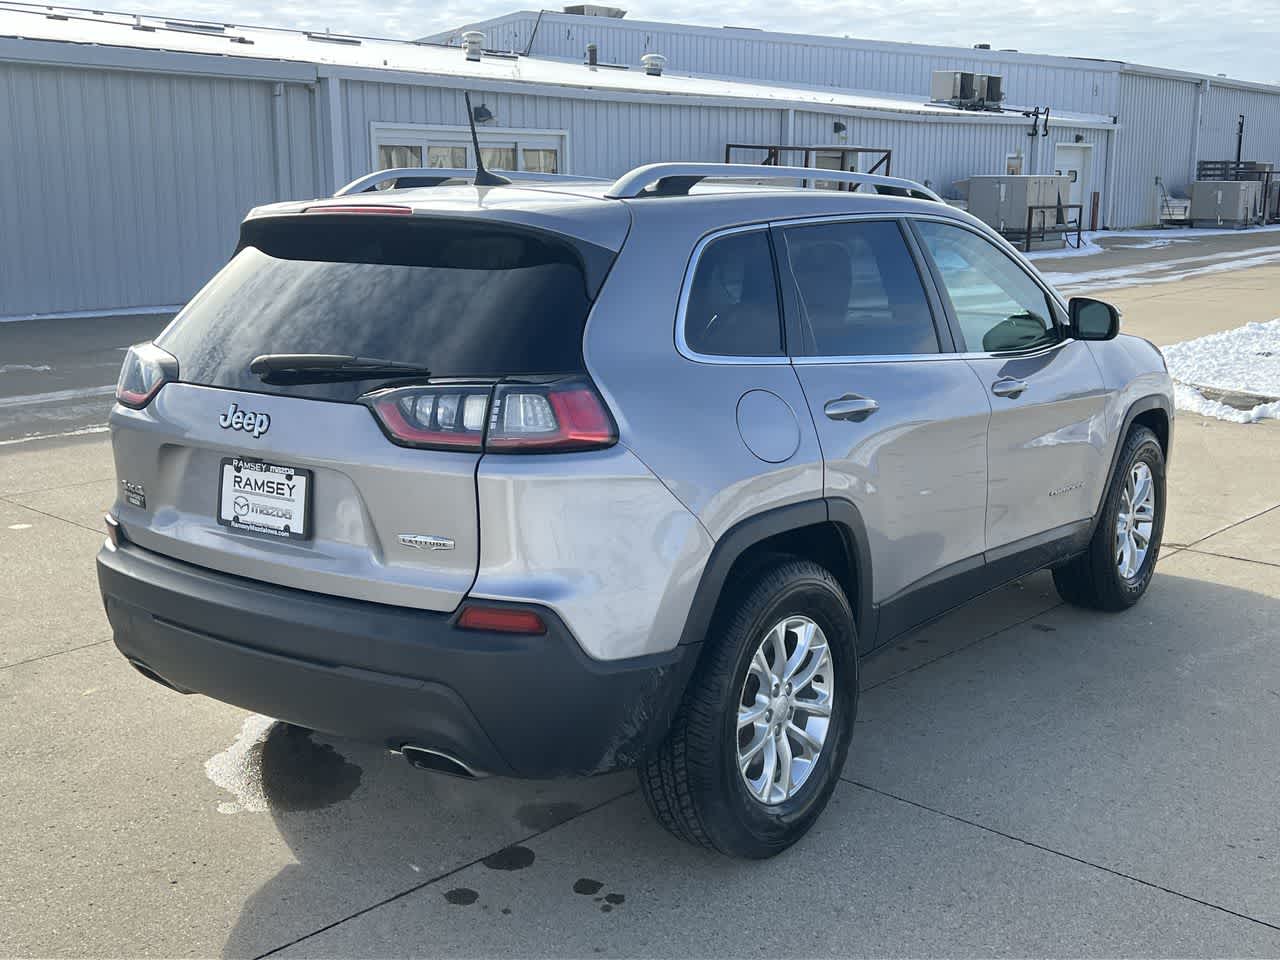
[755,529]
[1154,401]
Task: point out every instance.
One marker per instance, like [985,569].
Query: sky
[1236,37]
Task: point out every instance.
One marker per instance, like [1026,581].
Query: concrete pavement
[1027,779]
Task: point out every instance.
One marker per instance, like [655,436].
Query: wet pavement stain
[514,857]
[587,887]
[461,896]
[544,816]
[614,898]
[506,910]
[300,774]
[605,908]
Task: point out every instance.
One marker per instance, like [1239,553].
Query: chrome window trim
[686,288]
[980,229]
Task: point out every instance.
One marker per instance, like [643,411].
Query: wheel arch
[829,532]
[1154,411]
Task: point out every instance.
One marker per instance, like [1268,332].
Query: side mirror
[1093,319]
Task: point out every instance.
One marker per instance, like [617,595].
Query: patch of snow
[1088,247]
[1161,271]
[1193,401]
[1243,360]
[237,769]
[30,438]
[25,367]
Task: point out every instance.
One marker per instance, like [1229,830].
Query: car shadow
[1011,714]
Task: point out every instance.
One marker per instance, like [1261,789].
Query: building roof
[399,60]
[803,39]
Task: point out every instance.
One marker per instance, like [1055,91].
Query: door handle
[1008,387]
[850,407]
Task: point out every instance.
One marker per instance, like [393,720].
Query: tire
[692,782]
[1096,579]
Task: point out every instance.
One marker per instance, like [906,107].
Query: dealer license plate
[266,498]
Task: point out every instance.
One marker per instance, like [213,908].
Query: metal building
[130,147]
[1165,120]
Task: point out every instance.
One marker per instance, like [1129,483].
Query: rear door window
[732,309]
[859,289]
[460,298]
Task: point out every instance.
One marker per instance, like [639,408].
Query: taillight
[450,417]
[145,370]
[562,415]
[535,416]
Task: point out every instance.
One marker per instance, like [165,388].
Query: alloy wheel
[784,710]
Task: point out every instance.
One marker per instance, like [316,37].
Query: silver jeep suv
[559,477]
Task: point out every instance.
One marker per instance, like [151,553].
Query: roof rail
[434,176]
[676,179]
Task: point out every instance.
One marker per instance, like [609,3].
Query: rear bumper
[505,704]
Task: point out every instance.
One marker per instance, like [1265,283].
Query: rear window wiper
[329,368]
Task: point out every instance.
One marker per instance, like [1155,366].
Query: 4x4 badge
[422,542]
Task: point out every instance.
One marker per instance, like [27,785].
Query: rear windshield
[460,298]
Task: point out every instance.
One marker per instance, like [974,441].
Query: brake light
[555,416]
[500,620]
[563,415]
[145,370]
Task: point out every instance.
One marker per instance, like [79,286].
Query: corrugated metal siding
[129,186]
[605,138]
[1087,88]
[1222,107]
[1157,116]
[940,153]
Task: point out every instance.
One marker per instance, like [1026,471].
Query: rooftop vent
[653,64]
[594,10]
[473,44]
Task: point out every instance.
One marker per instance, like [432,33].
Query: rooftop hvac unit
[951,85]
[594,10]
[968,91]
[989,88]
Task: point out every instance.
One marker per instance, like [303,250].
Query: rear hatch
[292,474]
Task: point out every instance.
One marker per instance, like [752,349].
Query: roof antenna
[483,177]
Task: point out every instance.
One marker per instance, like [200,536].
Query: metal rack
[1061,225]
[775,151]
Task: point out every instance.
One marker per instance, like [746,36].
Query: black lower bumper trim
[506,704]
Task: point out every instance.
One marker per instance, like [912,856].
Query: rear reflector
[501,620]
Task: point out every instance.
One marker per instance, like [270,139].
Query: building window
[446,156]
[407,145]
[391,155]
[498,158]
[542,160]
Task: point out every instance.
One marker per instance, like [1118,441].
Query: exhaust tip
[425,758]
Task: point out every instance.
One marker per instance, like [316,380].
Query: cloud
[1174,33]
